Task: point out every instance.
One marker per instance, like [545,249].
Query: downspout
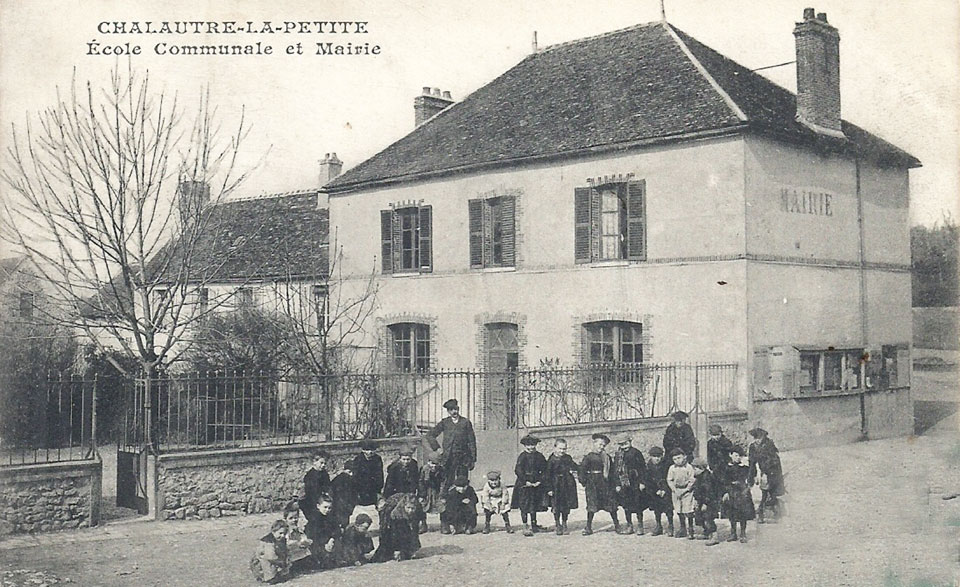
[863,299]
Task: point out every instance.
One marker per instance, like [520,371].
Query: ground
[883,512]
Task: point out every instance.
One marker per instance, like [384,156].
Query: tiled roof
[8,266]
[615,90]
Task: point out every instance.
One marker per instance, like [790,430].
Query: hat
[624,439]
[737,449]
[406,451]
[368,445]
[493,475]
[432,457]
[680,415]
[461,481]
[715,429]
[699,462]
[676,452]
[602,437]
[529,440]
[362,519]
[758,432]
[451,404]
[655,451]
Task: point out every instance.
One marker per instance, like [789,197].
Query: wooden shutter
[397,248]
[386,240]
[487,215]
[636,220]
[581,220]
[595,219]
[508,212]
[475,225]
[424,232]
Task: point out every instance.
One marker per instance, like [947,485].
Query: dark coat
[705,490]
[343,490]
[459,446]
[458,514]
[563,484]
[320,530]
[401,479]
[315,484]
[368,475]
[718,454]
[737,503]
[531,468]
[630,472]
[658,477]
[679,435]
[597,479]
[399,528]
[354,545]
[765,458]
[429,488]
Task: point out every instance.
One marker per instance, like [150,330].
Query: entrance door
[503,358]
[132,455]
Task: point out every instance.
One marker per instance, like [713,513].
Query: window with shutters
[319,292]
[410,345]
[493,233]
[830,370]
[405,237]
[610,222]
[613,342]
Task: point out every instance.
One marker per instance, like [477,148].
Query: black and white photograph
[414,292]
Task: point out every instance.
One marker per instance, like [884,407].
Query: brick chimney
[330,167]
[193,195]
[429,104]
[818,73]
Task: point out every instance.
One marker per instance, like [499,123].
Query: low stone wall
[51,496]
[242,481]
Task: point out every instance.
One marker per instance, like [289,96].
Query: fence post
[93,419]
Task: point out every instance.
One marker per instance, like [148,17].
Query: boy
[529,493]
[399,539]
[561,484]
[316,482]
[661,501]
[718,450]
[270,563]
[766,469]
[323,531]
[368,473]
[631,472]
[298,545]
[343,490]
[679,434]
[428,489]
[680,481]
[495,499]
[403,474]
[356,544]
[460,514]
[737,501]
[597,477]
[705,496]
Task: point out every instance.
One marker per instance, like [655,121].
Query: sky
[899,61]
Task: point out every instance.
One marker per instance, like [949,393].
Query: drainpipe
[863,299]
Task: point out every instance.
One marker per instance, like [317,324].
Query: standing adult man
[459,450]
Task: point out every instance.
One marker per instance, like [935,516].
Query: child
[631,472]
[368,473]
[399,516]
[428,490]
[270,563]
[495,499]
[356,545]
[298,545]
[679,434]
[343,490]
[403,474]
[316,482]
[597,476]
[561,484]
[529,494]
[737,501]
[661,500]
[705,496]
[766,469]
[718,450]
[323,531]
[460,513]
[680,481]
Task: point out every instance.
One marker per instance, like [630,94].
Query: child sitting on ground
[356,545]
[460,513]
[270,563]
[298,545]
[495,499]
[680,480]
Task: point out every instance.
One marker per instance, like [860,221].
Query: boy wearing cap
[368,473]
[718,450]
[495,499]
[597,477]
[736,501]
[529,493]
[661,500]
[460,513]
[428,489]
[631,472]
[765,468]
[459,450]
[705,496]
[679,434]
[561,484]
[403,474]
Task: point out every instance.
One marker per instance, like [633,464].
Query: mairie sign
[813,201]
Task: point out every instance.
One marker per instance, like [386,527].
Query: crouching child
[460,513]
[495,500]
[400,515]
[705,498]
[356,545]
[270,563]
[298,545]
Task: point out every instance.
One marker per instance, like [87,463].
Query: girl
[737,502]
[530,492]
[561,484]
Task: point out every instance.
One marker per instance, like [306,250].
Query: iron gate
[133,449]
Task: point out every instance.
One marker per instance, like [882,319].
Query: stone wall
[243,481]
[51,496]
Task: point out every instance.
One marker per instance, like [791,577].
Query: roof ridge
[599,36]
[272,196]
[706,73]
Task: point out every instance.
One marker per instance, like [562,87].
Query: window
[493,238]
[410,346]
[245,298]
[26,304]
[405,238]
[610,222]
[320,307]
[830,370]
[613,342]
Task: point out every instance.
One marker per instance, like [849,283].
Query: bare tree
[111,193]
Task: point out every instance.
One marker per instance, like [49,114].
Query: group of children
[698,491]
